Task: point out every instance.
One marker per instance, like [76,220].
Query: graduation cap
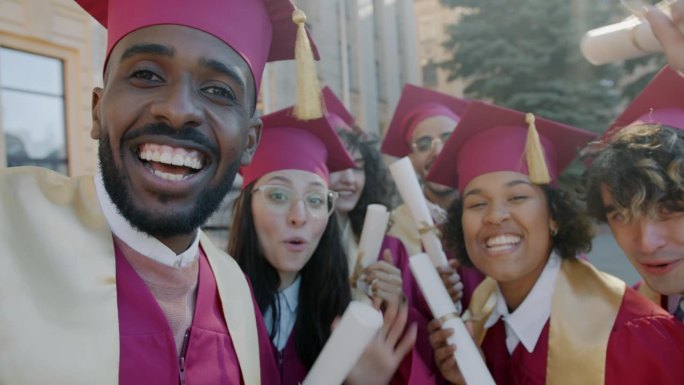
[415,105]
[260,31]
[291,144]
[492,138]
[337,113]
[660,102]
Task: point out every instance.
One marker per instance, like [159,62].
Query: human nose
[297,214]
[347,176]
[437,146]
[497,213]
[178,106]
[650,237]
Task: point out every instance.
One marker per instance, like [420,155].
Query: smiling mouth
[502,242]
[171,163]
[345,193]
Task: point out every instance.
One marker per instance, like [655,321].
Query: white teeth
[170,155]
[169,176]
[504,241]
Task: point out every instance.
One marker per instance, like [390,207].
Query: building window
[33,109]
[430,74]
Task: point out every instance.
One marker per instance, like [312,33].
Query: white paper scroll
[373,233]
[628,39]
[409,188]
[359,324]
[467,355]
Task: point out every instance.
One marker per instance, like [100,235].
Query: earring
[554,232]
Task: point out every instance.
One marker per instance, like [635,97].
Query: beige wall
[60,29]
[432,20]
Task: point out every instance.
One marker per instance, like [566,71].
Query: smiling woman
[530,317]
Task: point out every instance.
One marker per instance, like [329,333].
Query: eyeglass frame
[330,195]
[441,138]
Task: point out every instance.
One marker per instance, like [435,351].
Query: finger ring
[371,287]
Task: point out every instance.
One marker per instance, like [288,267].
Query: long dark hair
[379,187]
[324,292]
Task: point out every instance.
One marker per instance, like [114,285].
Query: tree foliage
[524,54]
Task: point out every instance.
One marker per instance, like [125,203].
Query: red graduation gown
[148,351]
[646,346]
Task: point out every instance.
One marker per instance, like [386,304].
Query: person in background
[287,241]
[543,315]
[423,120]
[635,183]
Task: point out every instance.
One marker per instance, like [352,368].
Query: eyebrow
[512,183]
[217,66]
[148,48]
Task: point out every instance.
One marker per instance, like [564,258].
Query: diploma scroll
[467,355]
[628,39]
[373,233]
[359,324]
[409,188]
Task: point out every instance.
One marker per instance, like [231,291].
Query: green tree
[524,54]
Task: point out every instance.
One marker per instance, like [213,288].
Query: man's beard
[160,224]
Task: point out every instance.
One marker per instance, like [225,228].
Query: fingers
[407,342]
[387,256]
[397,326]
[444,356]
[388,317]
[438,338]
[454,263]
[434,325]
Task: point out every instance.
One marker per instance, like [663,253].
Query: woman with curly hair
[543,315]
[286,239]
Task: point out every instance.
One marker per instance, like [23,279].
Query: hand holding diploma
[669,32]
[467,355]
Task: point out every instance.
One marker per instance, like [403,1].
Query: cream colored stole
[584,307]
[58,307]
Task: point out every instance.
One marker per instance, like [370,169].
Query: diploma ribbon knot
[426,228]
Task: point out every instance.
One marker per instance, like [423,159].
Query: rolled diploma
[373,233]
[347,342]
[409,188]
[628,39]
[467,355]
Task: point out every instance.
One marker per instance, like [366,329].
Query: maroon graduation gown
[148,352]
[646,346]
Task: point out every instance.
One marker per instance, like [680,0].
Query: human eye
[221,92]
[278,195]
[316,199]
[670,210]
[519,197]
[616,217]
[146,75]
[474,204]
[423,144]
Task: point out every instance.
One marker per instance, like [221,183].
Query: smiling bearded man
[109,280]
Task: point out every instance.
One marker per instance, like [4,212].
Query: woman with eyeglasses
[543,315]
[286,239]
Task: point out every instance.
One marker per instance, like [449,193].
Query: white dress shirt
[139,241]
[288,300]
[526,323]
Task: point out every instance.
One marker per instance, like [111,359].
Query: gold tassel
[308,105]
[534,154]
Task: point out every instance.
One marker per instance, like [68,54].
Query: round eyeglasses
[427,143]
[280,200]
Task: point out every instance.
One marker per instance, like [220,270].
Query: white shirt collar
[526,323]
[289,301]
[142,243]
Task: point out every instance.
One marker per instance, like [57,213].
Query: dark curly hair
[575,230]
[379,187]
[324,293]
[643,168]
